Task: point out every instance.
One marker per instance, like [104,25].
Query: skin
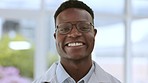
[75,60]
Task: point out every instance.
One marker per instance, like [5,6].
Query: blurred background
[27,46]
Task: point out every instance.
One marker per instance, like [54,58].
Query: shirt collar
[88,75]
[62,75]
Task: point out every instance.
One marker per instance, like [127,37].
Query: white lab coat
[99,76]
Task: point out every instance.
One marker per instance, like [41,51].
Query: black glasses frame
[81,26]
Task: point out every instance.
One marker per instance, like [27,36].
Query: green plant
[21,59]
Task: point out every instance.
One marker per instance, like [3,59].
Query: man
[75,37]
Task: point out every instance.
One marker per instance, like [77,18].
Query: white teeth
[75,44]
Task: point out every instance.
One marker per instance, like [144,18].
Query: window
[111,18]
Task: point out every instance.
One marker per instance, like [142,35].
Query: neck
[77,69]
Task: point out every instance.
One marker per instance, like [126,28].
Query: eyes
[65,28]
[85,27]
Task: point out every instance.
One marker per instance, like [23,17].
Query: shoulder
[49,75]
[103,76]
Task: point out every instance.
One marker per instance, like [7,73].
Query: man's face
[74,45]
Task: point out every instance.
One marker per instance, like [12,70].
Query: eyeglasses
[82,26]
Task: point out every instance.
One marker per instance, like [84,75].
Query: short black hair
[73,4]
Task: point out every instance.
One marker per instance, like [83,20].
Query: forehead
[73,14]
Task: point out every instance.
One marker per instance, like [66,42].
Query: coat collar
[50,75]
[99,75]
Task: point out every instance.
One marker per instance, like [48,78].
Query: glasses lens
[84,26]
[64,28]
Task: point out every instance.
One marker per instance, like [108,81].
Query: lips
[74,48]
[74,44]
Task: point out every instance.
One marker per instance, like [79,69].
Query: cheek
[59,45]
[59,41]
[90,38]
[58,38]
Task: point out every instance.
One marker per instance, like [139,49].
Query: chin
[78,57]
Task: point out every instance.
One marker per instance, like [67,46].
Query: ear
[95,32]
[55,35]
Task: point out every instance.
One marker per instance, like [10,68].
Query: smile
[74,44]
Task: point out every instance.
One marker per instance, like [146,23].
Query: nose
[74,33]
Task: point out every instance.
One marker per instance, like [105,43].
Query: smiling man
[75,38]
